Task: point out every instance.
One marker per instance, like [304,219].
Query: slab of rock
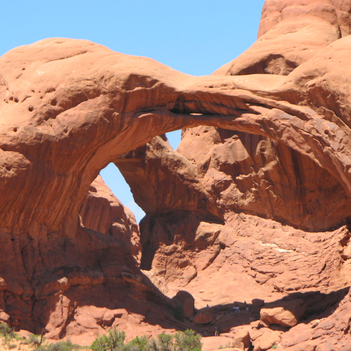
[287,315]
[297,336]
[267,340]
[241,340]
[4,317]
[102,212]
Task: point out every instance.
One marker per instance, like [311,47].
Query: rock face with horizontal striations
[254,205]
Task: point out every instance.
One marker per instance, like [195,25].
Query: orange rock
[282,44]
[104,213]
[287,315]
[267,339]
[257,302]
[255,205]
[242,340]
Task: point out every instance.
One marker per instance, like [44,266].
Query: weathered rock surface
[254,204]
[288,314]
[67,109]
[291,32]
[102,212]
[266,174]
[242,340]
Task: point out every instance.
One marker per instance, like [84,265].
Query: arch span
[70,107]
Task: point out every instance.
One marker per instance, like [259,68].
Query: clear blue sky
[195,37]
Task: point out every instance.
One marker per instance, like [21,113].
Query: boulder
[4,317]
[266,340]
[287,315]
[242,340]
[103,212]
[186,301]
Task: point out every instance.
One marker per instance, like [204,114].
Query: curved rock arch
[75,106]
[70,107]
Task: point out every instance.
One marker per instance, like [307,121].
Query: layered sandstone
[254,204]
[102,212]
[260,170]
[291,33]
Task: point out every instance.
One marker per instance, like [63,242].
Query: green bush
[113,342]
[6,331]
[59,346]
[8,334]
[187,341]
[181,341]
[165,342]
[138,344]
[33,339]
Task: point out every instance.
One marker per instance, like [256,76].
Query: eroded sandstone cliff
[254,206]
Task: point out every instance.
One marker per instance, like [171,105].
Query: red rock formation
[102,212]
[264,169]
[291,32]
[68,108]
[256,205]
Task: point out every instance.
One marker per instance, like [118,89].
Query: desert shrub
[137,344]
[181,341]
[33,339]
[59,346]
[8,334]
[187,341]
[6,331]
[151,346]
[113,342]
[165,342]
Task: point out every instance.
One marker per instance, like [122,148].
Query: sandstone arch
[70,107]
[116,103]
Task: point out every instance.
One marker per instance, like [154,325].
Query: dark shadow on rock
[319,305]
[99,270]
[93,271]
